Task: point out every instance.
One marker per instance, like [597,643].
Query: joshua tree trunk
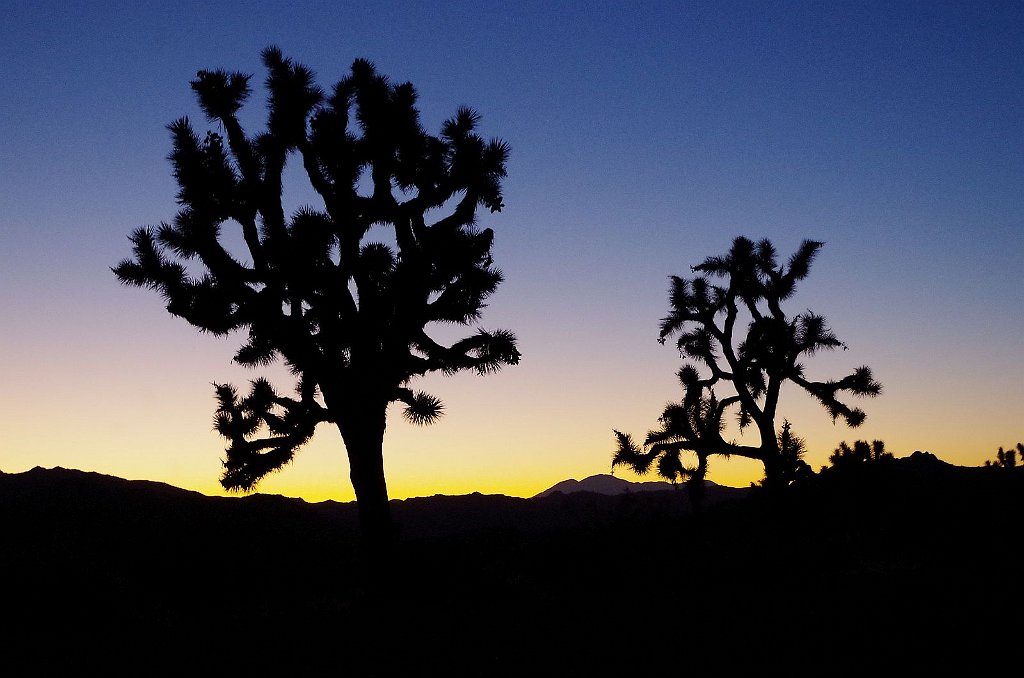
[773,471]
[362,429]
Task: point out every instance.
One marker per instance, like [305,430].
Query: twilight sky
[645,137]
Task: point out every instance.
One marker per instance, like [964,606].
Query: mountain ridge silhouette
[603,484]
[897,565]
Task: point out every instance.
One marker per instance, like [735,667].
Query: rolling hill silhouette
[910,564]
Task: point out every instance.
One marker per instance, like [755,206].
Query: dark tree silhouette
[861,452]
[707,318]
[1007,458]
[792,449]
[348,317]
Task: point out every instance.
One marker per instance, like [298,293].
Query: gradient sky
[645,137]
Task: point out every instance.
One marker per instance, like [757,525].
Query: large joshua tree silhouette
[752,366]
[348,317]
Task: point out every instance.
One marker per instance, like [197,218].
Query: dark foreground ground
[909,568]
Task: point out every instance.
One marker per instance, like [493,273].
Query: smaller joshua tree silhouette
[741,347]
[860,453]
[792,448]
[1007,458]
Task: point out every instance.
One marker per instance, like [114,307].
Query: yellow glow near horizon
[515,433]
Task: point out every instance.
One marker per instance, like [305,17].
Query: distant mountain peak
[604,483]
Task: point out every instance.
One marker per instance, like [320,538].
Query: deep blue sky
[645,137]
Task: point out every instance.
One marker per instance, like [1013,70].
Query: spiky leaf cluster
[683,426]
[287,423]
[347,316]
